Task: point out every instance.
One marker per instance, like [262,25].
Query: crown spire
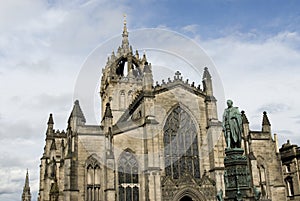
[125,42]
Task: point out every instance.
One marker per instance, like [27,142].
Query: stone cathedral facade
[155,142]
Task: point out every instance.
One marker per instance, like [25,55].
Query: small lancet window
[93,180]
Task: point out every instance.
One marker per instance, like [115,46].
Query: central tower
[123,77]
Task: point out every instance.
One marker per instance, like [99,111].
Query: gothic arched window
[130,95]
[289,186]
[128,177]
[93,179]
[262,181]
[181,145]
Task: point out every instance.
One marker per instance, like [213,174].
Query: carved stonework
[236,175]
[202,189]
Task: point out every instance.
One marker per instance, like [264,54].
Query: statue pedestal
[237,176]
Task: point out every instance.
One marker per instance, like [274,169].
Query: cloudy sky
[254,44]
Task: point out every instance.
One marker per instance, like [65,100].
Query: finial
[108,112]
[266,119]
[244,117]
[124,16]
[50,120]
[125,42]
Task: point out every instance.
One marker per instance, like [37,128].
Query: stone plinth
[237,176]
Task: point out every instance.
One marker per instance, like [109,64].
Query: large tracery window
[181,145]
[93,180]
[128,177]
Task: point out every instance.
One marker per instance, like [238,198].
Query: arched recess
[263,177]
[121,63]
[128,176]
[189,192]
[181,151]
[130,96]
[93,178]
[289,185]
[122,102]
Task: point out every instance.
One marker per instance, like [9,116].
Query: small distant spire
[50,124]
[26,195]
[137,54]
[50,121]
[144,59]
[244,117]
[27,179]
[265,119]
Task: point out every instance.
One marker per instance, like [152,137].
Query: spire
[107,119]
[244,117]
[27,181]
[266,125]
[77,112]
[26,195]
[50,124]
[50,121]
[265,119]
[144,59]
[107,112]
[125,42]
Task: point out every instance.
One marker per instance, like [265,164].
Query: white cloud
[44,44]
[42,47]
[261,75]
[191,28]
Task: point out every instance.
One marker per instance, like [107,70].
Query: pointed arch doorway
[189,194]
[186,198]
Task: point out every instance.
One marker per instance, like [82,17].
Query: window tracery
[128,177]
[181,145]
[93,180]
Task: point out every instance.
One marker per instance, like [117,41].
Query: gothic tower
[122,77]
[26,195]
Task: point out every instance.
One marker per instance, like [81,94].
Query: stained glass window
[180,145]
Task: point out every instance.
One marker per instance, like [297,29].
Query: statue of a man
[232,126]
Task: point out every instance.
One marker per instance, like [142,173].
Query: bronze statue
[232,126]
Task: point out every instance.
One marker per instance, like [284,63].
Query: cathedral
[155,142]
